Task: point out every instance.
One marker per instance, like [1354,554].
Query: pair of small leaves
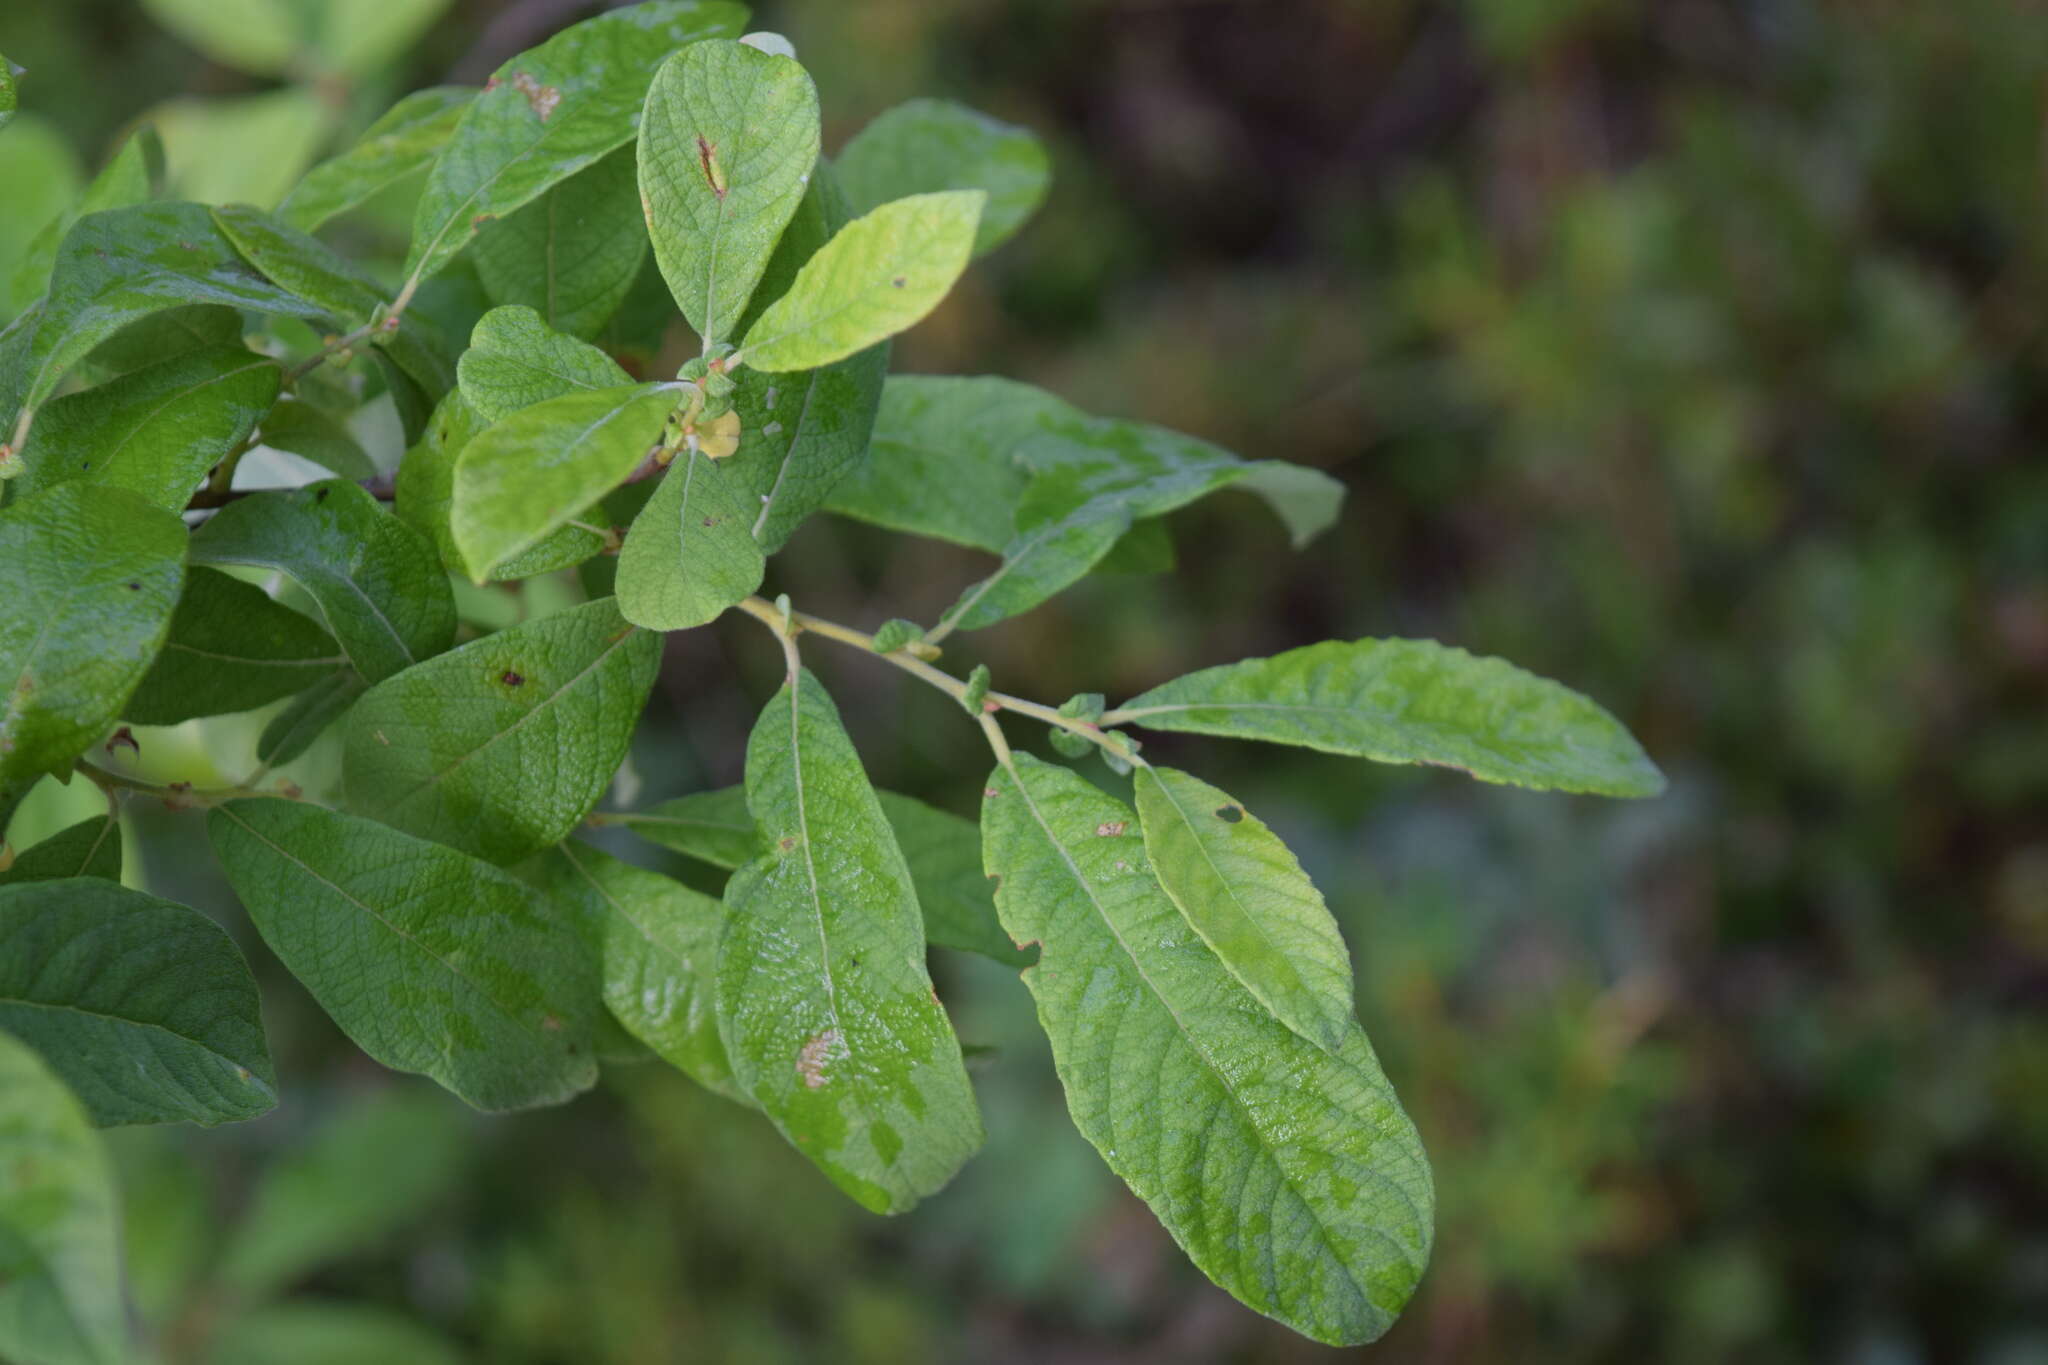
[145,1008]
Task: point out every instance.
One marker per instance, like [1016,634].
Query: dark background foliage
[1687,352]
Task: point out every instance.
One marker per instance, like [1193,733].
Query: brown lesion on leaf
[816,1054]
[512,678]
[551,1023]
[541,98]
[1110,829]
[900,281]
[786,843]
[1230,815]
[714,174]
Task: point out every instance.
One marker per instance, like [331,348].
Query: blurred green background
[1686,351]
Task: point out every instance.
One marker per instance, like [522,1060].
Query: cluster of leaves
[1194,986]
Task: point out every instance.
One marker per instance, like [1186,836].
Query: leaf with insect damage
[547,114]
[500,747]
[824,1002]
[726,146]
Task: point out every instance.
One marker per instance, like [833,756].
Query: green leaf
[573,253]
[520,480]
[310,433]
[258,36]
[117,267]
[713,827]
[942,850]
[1248,898]
[426,492]
[501,747]
[1409,701]
[656,943]
[515,359]
[315,1331]
[92,577]
[403,142]
[1057,541]
[879,275]
[231,647]
[160,337]
[124,180]
[60,1268]
[349,1184]
[691,552]
[927,144]
[727,143]
[358,37]
[90,848]
[548,113]
[292,731]
[802,434]
[430,960]
[10,97]
[154,432]
[145,1008]
[824,1003]
[1287,1172]
[943,462]
[375,579]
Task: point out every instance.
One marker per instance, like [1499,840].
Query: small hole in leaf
[1230,815]
[320,494]
[135,587]
[900,281]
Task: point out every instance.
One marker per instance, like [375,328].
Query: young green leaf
[499,748]
[144,1007]
[727,142]
[117,267]
[292,731]
[231,647]
[515,359]
[374,578]
[1248,898]
[879,275]
[60,1301]
[573,253]
[925,144]
[942,850]
[802,434]
[691,552]
[824,1003]
[90,848]
[154,432]
[1409,701]
[430,960]
[93,575]
[548,113]
[656,943]
[1287,1172]
[426,491]
[349,1184]
[403,142]
[519,481]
